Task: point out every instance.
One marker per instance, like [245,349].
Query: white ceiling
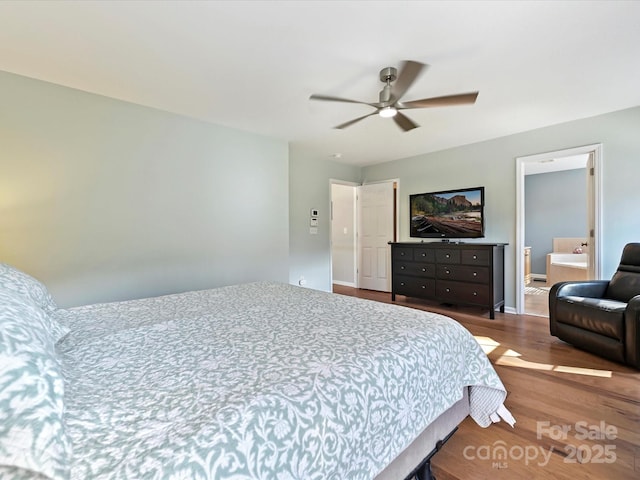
[252,65]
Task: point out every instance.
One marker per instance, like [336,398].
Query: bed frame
[412,462]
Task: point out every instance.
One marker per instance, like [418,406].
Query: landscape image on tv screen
[448,214]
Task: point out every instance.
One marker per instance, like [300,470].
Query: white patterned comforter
[260,381]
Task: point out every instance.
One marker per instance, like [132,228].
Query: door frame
[595,203]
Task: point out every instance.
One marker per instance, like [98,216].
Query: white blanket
[261,381]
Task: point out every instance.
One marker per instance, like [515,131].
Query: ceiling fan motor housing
[387,75]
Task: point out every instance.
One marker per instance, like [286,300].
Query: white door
[375,205]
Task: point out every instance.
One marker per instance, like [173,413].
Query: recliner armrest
[632,332]
[585,288]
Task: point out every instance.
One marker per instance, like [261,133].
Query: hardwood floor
[537,301]
[552,387]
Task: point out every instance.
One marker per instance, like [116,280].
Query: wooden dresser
[450,273]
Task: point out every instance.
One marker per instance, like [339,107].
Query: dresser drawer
[424,255]
[457,292]
[414,286]
[402,253]
[415,268]
[475,257]
[446,255]
[463,273]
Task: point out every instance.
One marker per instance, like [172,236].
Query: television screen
[448,214]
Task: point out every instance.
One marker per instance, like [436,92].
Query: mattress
[261,380]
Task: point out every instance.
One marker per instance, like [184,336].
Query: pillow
[33,440]
[14,280]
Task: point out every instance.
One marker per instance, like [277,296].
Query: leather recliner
[601,316]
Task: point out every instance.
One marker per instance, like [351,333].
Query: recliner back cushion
[625,283]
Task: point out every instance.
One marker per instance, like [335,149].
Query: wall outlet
[302,281]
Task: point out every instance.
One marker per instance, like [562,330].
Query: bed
[255,381]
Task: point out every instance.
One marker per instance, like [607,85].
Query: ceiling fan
[396,85]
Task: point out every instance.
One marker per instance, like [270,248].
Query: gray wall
[105,200]
[310,187]
[492,164]
[555,206]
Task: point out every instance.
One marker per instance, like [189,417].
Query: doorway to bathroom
[558,223]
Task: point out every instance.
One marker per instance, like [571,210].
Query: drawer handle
[424,254]
[424,286]
[448,290]
[402,254]
[447,272]
[424,269]
[402,267]
[475,274]
[475,257]
[475,294]
[447,255]
[402,284]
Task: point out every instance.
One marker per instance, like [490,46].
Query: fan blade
[408,74]
[404,122]
[338,99]
[448,100]
[355,120]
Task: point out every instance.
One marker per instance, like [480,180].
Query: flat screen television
[448,214]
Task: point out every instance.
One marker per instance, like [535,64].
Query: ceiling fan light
[387,112]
